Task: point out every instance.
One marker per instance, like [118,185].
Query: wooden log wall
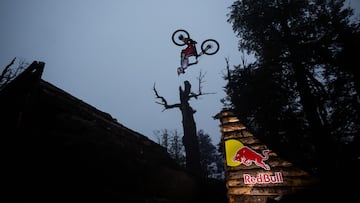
[249,182]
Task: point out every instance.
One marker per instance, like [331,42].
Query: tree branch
[6,74]
[164,101]
[200,81]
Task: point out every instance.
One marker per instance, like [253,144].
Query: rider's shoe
[179,71]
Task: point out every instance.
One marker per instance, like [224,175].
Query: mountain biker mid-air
[190,50]
[181,37]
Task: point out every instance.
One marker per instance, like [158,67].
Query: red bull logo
[247,156]
[237,153]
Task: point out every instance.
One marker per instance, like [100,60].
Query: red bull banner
[237,153]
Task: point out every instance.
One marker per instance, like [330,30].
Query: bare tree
[171,140]
[189,139]
[10,72]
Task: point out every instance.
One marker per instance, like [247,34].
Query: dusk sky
[109,54]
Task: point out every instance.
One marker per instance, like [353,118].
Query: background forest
[301,94]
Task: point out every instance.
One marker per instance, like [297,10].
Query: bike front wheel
[179,36]
[210,47]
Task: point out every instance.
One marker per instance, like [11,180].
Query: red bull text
[263,178]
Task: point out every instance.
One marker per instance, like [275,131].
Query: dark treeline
[301,94]
[211,156]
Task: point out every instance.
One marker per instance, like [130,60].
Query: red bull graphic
[237,153]
[248,156]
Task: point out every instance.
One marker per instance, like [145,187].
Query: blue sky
[109,54]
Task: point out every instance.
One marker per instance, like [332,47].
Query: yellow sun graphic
[231,147]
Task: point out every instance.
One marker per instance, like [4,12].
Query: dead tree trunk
[189,139]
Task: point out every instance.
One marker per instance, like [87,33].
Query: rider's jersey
[190,50]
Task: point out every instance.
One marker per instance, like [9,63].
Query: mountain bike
[208,47]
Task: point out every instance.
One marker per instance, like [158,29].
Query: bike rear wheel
[178,37]
[210,47]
